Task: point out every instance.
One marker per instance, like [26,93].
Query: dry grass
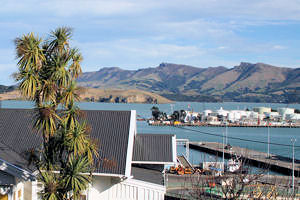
[132,96]
[13,95]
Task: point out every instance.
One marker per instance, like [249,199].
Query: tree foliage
[47,72]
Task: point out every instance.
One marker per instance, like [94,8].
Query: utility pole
[293,140]
[223,156]
[172,108]
[226,142]
[268,139]
[187,150]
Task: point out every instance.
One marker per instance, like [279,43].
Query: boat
[234,165]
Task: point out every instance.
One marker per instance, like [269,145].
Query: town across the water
[257,117]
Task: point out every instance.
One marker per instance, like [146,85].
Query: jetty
[159,123]
[272,162]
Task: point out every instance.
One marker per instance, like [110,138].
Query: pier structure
[159,123]
[272,162]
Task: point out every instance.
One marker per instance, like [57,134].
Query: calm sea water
[277,135]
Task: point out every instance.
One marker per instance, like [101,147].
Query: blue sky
[134,34]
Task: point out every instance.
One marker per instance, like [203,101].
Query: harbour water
[251,138]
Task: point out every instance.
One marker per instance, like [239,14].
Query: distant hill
[104,95]
[246,82]
[4,88]
[121,96]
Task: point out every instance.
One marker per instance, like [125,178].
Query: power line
[234,138]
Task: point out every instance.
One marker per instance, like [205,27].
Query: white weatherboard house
[130,165]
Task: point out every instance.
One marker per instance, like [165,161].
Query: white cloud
[133,53]
[279,47]
[6,71]
[7,66]
[196,29]
[139,33]
[222,47]
[69,8]
[239,9]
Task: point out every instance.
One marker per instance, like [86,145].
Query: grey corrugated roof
[109,128]
[12,157]
[17,135]
[147,175]
[153,148]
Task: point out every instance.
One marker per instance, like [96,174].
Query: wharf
[228,125]
[259,159]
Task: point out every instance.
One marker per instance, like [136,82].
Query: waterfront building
[207,113]
[262,110]
[293,117]
[234,115]
[273,115]
[213,120]
[191,116]
[285,111]
[222,112]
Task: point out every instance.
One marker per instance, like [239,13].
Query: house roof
[17,135]
[153,149]
[148,175]
[10,156]
[109,128]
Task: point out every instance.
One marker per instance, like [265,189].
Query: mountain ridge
[258,82]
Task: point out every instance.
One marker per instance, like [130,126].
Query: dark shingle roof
[153,148]
[147,175]
[109,128]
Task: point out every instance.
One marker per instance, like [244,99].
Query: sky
[134,34]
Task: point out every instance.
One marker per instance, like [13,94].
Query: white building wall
[18,189]
[295,116]
[262,110]
[284,111]
[31,190]
[110,189]
[28,190]
[207,112]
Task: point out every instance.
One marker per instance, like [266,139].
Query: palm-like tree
[47,74]
[71,115]
[75,177]
[75,68]
[92,151]
[52,187]
[29,83]
[59,39]
[78,139]
[29,52]
[46,120]
[70,94]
